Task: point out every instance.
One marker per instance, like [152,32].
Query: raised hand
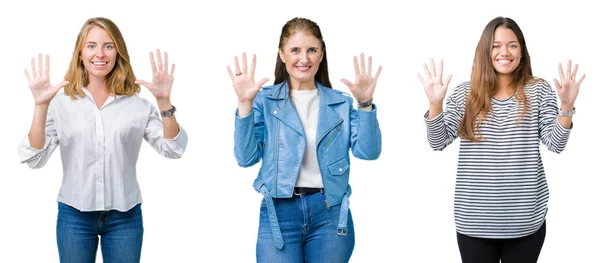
[162,80]
[434,87]
[364,85]
[40,86]
[243,81]
[568,87]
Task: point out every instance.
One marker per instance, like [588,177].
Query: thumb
[261,82]
[56,88]
[347,82]
[556,83]
[142,82]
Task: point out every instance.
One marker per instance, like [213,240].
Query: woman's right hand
[435,88]
[40,86]
[243,81]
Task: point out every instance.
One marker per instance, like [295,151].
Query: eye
[295,50]
[109,46]
[513,46]
[496,46]
[91,46]
[312,50]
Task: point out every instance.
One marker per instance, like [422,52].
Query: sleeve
[365,135]
[153,134]
[248,136]
[552,134]
[443,129]
[37,158]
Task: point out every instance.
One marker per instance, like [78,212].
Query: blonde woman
[99,122]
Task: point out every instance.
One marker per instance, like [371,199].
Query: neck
[302,85]
[97,84]
[502,89]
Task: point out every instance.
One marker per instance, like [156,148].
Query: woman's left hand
[364,84]
[162,80]
[568,87]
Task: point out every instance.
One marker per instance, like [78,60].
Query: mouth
[504,61]
[99,64]
[303,68]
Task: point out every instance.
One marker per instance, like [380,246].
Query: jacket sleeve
[365,135]
[248,136]
[37,158]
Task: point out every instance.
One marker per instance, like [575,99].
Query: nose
[504,51]
[304,57]
[100,52]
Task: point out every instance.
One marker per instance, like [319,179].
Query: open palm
[364,84]
[39,81]
[435,88]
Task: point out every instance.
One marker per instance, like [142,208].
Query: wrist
[567,106]
[363,104]
[164,104]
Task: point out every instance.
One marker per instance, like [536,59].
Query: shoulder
[459,93]
[538,87]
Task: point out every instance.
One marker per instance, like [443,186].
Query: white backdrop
[202,208]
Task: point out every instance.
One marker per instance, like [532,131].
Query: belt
[307,190]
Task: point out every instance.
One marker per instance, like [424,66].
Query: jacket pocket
[339,167]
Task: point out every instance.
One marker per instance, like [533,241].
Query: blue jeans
[309,230]
[77,235]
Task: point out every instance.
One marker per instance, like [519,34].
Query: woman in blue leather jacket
[302,129]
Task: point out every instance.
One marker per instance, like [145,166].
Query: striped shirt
[501,189]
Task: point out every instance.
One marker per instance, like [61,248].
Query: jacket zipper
[277,159]
[338,128]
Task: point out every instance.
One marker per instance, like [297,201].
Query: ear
[281,56]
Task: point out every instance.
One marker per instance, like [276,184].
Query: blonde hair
[120,81]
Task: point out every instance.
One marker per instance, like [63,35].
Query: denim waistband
[278,238]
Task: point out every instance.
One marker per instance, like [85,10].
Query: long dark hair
[483,79]
[296,25]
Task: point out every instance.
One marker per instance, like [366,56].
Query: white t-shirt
[307,105]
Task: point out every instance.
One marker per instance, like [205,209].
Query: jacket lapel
[328,118]
[284,109]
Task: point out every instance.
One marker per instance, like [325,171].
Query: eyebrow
[307,48]
[510,42]
[93,42]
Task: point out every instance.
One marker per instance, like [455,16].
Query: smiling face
[506,51]
[98,53]
[302,54]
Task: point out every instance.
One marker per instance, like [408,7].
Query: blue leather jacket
[274,133]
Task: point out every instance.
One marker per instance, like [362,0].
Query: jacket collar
[327,95]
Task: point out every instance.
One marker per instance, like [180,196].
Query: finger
[159,60]
[47,67]
[237,64]
[575,72]
[244,64]
[369,63]
[580,80]
[427,73]
[557,84]
[40,61]
[569,70]
[356,69]
[60,86]
[166,69]
[447,81]
[561,74]
[230,73]
[172,70]
[347,82]
[421,78]
[377,74]
[33,71]
[27,75]
[253,65]
[262,82]
[432,65]
[152,62]
[142,82]
[362,64]
[441,70]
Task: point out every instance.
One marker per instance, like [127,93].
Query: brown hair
[483,79]
[293,26]
[120,81]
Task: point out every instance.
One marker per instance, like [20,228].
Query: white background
[202,208]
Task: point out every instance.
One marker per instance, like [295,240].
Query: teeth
[99,63]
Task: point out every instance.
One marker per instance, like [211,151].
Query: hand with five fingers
[568,87]
[243,80]
[162,80]
[364,84]
[39,81]
[434,87]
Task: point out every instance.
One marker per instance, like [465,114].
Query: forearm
[170,125]
[564,121]
[244,108]
[434,110]
[37,132]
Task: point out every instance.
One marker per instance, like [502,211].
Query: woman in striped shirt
[501,115]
